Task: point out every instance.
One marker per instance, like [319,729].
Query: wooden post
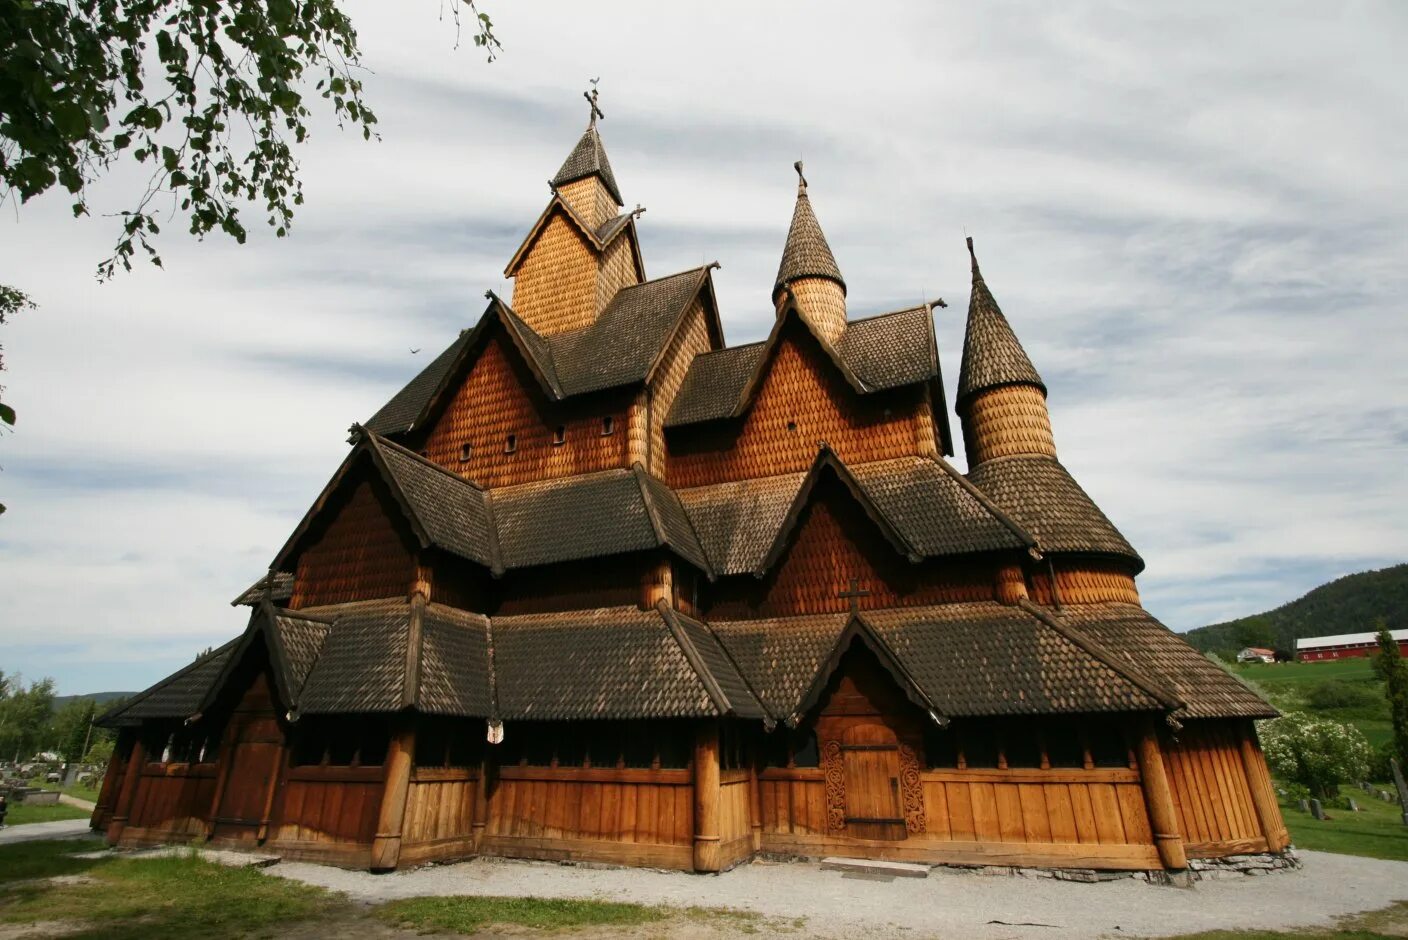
[224,764]
[481,797]
[1159,798]
[755,801]
[707,848]
[122,809]
[1263,796]
[386,844]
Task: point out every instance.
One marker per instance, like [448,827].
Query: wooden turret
[1001,398]
[808,271]
[585,181]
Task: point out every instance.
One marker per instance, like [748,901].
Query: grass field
[1376,832]
[1376,925]
[22,813]
[1298,679]
[1348,670]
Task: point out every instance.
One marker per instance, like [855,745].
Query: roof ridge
[426,461]
[1148,684]
[856,626]
[707,679]
[769,721]
[987,502]
[114,712]
[926,306]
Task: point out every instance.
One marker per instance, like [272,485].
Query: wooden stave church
[595,586]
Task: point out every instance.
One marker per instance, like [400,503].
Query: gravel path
[949,903]
[32,832]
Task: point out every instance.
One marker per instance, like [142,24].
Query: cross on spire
[591,100]
[801,180]
[854,593]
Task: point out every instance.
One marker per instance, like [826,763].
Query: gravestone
[1353,806]
[1317,810]
[1304,806]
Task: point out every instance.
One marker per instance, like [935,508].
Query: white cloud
[1194,217]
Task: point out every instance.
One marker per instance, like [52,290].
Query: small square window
[792,425]
[511,444]
[608,426]
[560,435]
[466,451]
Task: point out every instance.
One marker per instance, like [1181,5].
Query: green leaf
[7,414]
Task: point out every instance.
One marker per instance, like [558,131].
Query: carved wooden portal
[867,732]
[256,748]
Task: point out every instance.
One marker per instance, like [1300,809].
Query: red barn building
[597,585]
[1345,646]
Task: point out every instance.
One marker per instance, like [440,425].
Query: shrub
[1379,769]
[1314,751]
[1333,693]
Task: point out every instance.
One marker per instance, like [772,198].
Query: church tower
[1001,398]
[582,249]
[809,273]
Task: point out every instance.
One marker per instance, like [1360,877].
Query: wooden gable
[832,541]
[499,397]
[801,400]
[360,547]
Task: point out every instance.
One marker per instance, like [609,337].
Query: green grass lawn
[466,914]
[1347,670]
[82,793]
[1376,832]
[150,899]
[22,813]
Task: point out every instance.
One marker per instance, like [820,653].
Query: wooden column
[755,803]
[707,849]
[386,844]
[122,809]
[480,818]
[1159,798]
[1263,796]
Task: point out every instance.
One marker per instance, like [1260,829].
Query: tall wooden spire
[809,272]
[585,180]
[1001,397]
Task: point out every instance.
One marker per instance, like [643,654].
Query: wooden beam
[386,844]
[1263,796]
[122,809]
[1159,798]
[755,801]
[488,768]
[707,854]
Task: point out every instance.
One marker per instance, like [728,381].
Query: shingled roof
[875,354]
[924,506]
[283,590]
[992,356]
[1040,494]
[967,659]
[1133,634]
[621,347]
[176,696]
[588,157]
[806,253]
[617,662]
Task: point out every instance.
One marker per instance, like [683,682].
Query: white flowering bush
[1316,752]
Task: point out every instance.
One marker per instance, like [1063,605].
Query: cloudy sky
[1196,221]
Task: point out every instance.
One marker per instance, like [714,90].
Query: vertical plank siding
[172,802]
[1212,790]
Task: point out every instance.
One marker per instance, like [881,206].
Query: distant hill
[1347,605]
[100,697]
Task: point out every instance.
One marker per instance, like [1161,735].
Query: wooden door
[870,755]
[257,745]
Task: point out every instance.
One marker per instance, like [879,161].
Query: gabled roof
[588,157]
[293,641]
[992,356]
[922,505]
[806,253]
[622,347]
[283,590]
[598,237]
[441,509]
[858,631]
[1041,496]
[888,351]
[971,659]
[177,696]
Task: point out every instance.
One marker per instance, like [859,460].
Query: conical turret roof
[992,356]
[588,157]
[806,253]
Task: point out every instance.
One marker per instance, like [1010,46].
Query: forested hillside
[1351,604]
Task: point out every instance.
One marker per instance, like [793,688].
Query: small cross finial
[638,211]
[854,593]
[591,100]
[801,180]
